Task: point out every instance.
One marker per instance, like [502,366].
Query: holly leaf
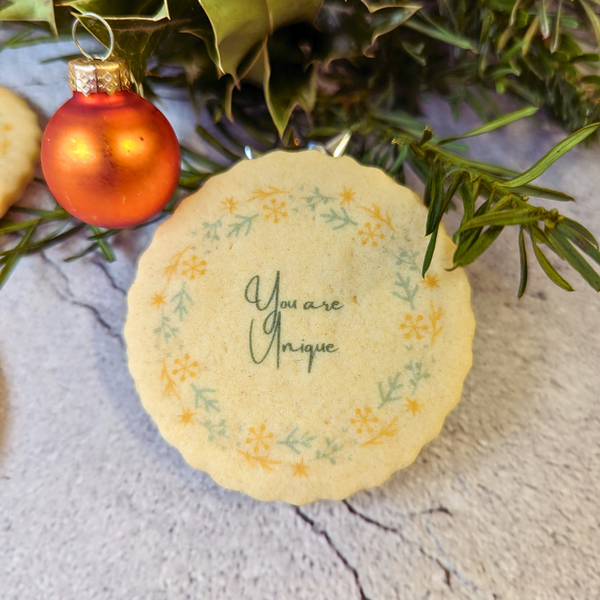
[203,29]
[30,10]
[285,12]
[239,27]
[187,52]
[286,83]
[375,5]
[135,40]
[139,28]
[349,31]
[151,10]
[234,28]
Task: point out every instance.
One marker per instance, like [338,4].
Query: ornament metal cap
[94,75]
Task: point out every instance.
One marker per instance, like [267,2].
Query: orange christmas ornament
[109,157]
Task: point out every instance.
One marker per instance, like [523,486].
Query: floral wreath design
[394,399]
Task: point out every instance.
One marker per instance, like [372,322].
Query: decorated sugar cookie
[20,137]
[280,333]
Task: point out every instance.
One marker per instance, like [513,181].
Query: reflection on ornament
[79,148]
[131,145]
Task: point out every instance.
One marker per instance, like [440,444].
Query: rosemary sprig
[492,202]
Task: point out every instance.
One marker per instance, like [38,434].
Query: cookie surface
[20,138]
[280,333]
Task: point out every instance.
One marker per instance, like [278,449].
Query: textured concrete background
[502,505]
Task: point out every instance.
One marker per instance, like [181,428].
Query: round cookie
[20,138]
[280,333]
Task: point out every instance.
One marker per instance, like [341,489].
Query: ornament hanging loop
[111,35]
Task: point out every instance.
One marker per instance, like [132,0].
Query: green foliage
[356,67]
[492,202]
[30,10]
[540,51]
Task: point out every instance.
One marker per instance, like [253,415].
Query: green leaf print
[304,440]
[340,219]
[393,385]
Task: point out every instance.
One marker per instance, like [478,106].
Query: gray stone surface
[502,505]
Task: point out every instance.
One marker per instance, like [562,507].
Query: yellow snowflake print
[413,406]
[186,417]
[275,210]
[363,420]
[193,267]
[158,300]
[300,469]
[229,205]
[259,438]
[186,367]
[413,327]
[371,234]
[431,281]
[347,196]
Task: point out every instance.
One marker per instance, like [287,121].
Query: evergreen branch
[293,442]
[342,219]
[243,224]
[393,385]
[330,451]
[204,395]
[415,368]
[211,230]
[182,299]
[315,198]
[408,294]
[165,330]
[215,429]
[405,257]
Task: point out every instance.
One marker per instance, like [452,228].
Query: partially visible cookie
[282,337]
[20,138]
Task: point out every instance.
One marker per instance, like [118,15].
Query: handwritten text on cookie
[272,327]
